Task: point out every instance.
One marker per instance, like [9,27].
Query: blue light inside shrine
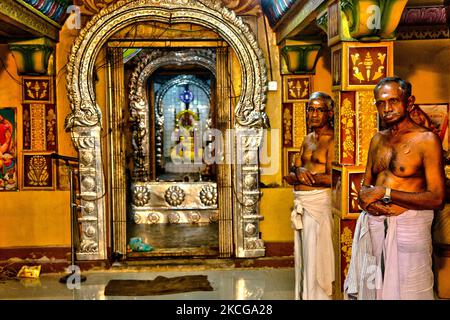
[187,96]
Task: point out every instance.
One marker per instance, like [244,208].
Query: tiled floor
[228,284]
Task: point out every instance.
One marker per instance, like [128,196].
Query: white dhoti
[402,247]
[312,221]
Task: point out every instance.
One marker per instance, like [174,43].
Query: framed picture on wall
[433,117]
[8,149]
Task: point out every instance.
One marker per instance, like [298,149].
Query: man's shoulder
[427,136]
[379,135]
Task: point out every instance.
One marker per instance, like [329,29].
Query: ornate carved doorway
[131,189]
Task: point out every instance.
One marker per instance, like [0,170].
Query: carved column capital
[300,56]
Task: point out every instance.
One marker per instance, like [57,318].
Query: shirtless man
[403,184]
[311,217]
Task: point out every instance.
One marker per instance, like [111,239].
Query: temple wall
[426,65]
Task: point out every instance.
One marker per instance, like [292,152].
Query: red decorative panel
[296,88]
[39,127]
[37,171]
[348,127]
[367,65]
[37,89]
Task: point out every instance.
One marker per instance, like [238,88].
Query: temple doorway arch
[239,221]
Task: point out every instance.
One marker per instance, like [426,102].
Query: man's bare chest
[402,158]
[315,152]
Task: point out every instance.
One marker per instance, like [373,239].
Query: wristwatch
[387,196]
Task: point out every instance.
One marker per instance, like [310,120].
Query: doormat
[161,285]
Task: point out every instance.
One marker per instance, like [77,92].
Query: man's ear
[330,114]
[410,102]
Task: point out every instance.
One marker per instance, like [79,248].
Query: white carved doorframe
[85,121]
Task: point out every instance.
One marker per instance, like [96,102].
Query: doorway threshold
[175,252]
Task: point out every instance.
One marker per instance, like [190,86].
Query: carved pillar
[357,67]
[247,193]
[224,178]
[91,221]
[117,163]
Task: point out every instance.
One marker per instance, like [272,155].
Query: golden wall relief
[337,126]
[37,89]
[359,66]
[348,128]
[367,123]
[296,132]
[297,88]
[367,65]
[37,114]
[39,127]
[38,172]
[347,229]
[300,125]
[345,186]
[288,116]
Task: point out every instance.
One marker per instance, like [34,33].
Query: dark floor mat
[161,285]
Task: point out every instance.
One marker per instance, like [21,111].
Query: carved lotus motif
[153,218]
[174,217]
[208,195]
[141,196]
[174,196]
[194,217]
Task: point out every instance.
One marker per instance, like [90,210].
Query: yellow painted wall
[276,206]
[426,64]
[30,218]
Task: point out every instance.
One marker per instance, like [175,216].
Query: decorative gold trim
[30,18]
[300,125]
[366,124]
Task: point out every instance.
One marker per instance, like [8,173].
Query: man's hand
[368,195]
[291,179]
[304,176]
[380,209]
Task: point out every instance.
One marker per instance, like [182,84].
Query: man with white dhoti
[312,218]
[403,184]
